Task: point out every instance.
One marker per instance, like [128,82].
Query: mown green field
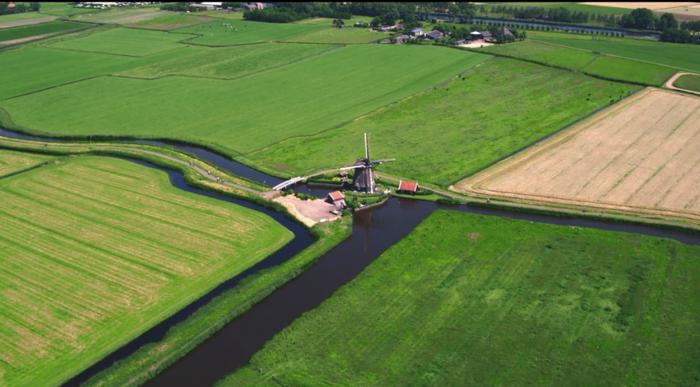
[591,62]
[347,35]
[13,162]
[242,115]
[19,16]
[172,21]
[39,29]
[114,249]
[688,82]
[226,32]
[443,135]
[479,300]
[226,62]
[121,15]
[124,41]
[20,74]
[64,9]
[680,56]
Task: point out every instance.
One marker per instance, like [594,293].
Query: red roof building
[408,186]
[337,198]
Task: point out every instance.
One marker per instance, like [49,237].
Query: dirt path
[669,83]
[24,40]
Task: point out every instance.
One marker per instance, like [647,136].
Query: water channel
[374,230]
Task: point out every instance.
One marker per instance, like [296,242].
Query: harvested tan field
[641,156]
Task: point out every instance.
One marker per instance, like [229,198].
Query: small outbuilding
[400,39]
[336,198]
[417,32]
[476,35]
[435,34]
[407,186]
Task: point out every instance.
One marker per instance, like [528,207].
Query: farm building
[417,32]
[476,35]
[434,34]
[336,198]
[400,39]
[407,186]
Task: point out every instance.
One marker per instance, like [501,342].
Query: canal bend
[374,230]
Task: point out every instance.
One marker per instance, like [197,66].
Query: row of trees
[7,8]
[560,14]
[287,12]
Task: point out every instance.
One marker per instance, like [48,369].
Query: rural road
[669,83]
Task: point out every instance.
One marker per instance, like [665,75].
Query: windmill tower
[363,180]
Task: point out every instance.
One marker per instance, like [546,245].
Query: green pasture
[347,35]
[51,27]
[242,115]
[20,16]
[172,21]
[482,300]
[226,62]
[596,63]
[64,9]
[124,41]
[688,82]
[675,55]
[445,134]
[14,162]
[114,249]
[20,73]
[225,32]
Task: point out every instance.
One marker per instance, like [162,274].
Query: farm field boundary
[661,161]
[671,83]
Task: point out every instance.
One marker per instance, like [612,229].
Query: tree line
[7,9]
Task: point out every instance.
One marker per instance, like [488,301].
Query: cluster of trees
[671,30]
[6,9]
[287,12]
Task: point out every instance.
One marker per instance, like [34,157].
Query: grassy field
[299,99]
[688,82]
[226,62]
[39,29]
[13,162]
[588,61]
[233,31]
[478,300]
[348,35]
[443,135]
[185,336]
[20,74]
[124,41]
[114,249]
[172,21]
[64,9]
[680,56]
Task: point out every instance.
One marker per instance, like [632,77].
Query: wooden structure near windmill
[363,179]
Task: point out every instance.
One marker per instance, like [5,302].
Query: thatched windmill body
[363,180]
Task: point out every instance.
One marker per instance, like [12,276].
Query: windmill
[363,180]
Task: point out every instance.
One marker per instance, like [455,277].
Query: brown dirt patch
[639,156]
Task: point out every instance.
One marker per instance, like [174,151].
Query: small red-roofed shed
[337,198]
[408,186]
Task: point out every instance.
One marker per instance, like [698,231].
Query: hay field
[469,300]
[641,156]
[13,162]
[97,250]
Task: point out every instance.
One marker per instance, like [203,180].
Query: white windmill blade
[351,167]
[383,161]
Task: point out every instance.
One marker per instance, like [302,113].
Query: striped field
[13,162]
[94,251]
